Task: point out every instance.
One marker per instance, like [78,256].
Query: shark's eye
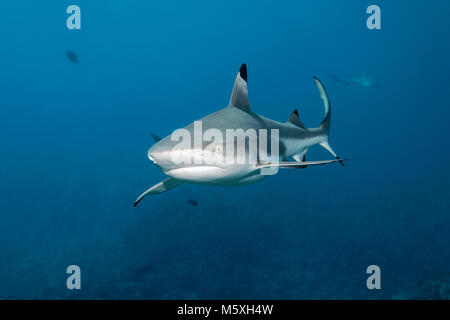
[218,148]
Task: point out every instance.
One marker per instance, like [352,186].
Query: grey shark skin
[363,80]
[294,141]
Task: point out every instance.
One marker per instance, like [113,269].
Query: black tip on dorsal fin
[239,96]
[243,72]
[294,119]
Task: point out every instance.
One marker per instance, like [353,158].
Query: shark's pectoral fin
[299,164]
[160,187]
[239,97]
[155,137]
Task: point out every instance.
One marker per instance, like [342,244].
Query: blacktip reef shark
[362,80]
[294,141]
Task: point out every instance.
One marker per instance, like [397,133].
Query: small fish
[72,56]
[192,202]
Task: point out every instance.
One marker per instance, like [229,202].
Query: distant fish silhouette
[362,80]
[192,202]
[72,56]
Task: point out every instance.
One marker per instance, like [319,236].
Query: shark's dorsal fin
[239,96]
[294,119]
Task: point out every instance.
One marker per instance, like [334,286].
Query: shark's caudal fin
[334,78]
[325,125]
[338,82]
[239,96]
[160,187]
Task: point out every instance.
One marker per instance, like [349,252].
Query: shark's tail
[338,82]
[325,124]
[334,78]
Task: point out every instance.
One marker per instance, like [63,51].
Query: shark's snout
[151,156]
[161,157]
[155,156]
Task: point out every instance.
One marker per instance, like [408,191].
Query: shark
[294,139]
[362,80]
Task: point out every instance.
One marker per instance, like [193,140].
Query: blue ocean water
[75,136]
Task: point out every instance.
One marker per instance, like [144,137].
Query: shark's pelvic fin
[299,165]
[155,137]
[300,157]
[239,97]
[160,187]
[294,119]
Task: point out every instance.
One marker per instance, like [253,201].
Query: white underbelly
[210,174]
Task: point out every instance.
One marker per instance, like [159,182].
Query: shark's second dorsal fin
[239,97]
[294,119]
